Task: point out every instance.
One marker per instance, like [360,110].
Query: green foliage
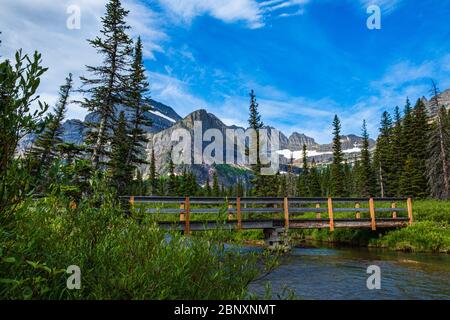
[337,169]
[121,172]
[429,233]
[119,257]
[153,175]
[46,146]
[438,161]
[427,236]
[139,104]
[367,179]
[108,85]
[18,85]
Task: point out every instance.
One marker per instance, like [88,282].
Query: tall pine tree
[107,88]
[314,181]
[384,157]
[438,163]
[367,179]
[139,103]
[337,169]
[121,174]
[153,175]
[46,146]
[256,124]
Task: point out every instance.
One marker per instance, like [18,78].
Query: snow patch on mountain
[159,114]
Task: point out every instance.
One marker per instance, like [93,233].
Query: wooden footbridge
[276,215]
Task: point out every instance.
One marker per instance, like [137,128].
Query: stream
[325,272]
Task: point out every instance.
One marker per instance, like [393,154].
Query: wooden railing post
[330,214]
[372,214]
[394,213]
[238,213]
[230,214]
[286,213]
[410,210]
[187,205]
[318,213]
[182,217]
[358,213]
[73,204]
[132,201]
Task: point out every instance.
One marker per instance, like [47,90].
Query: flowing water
[341,273]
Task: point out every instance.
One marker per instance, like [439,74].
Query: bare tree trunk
[381,183]
[443,158]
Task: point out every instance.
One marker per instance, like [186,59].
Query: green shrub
[119,257]
[421,236]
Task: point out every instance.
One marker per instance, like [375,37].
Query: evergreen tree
[407,134]
[108,86]
[121,174]
[45,148]
[215,188]
[153,175]
[367,180]
[438,163]
[349,181]
[314,181]
[161,187]
[283,192]
[421,130]
[256,124]
[208,191]
[302,182]
[410,180]
[398,153]
[191,185]
[70,152]
[139,103]
[337,169]
[384,155]
[172,187]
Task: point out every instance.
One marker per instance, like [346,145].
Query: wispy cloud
[387,6]
[251,12]
[41,25]
[225,10]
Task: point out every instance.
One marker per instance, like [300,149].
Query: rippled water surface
[331,273]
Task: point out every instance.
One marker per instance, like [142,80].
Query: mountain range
[165,120]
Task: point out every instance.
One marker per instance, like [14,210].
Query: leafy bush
[421,236]
[119,257]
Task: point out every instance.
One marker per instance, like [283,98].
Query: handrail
[253,199]
[185,210]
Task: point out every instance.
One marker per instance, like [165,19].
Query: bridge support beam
[276,239]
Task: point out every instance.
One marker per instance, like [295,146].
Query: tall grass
[119,257]
[430,231]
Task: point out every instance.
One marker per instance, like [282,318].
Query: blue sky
[306,59]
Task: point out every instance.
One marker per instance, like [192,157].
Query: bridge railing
[289,208]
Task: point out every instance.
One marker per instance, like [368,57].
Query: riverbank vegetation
[430,231]
[119,256]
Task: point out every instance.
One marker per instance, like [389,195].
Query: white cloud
[226,10]
[252,12]
[175,93]
[41,25]
[387,6]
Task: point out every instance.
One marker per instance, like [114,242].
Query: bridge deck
[280,223]
[237,207]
